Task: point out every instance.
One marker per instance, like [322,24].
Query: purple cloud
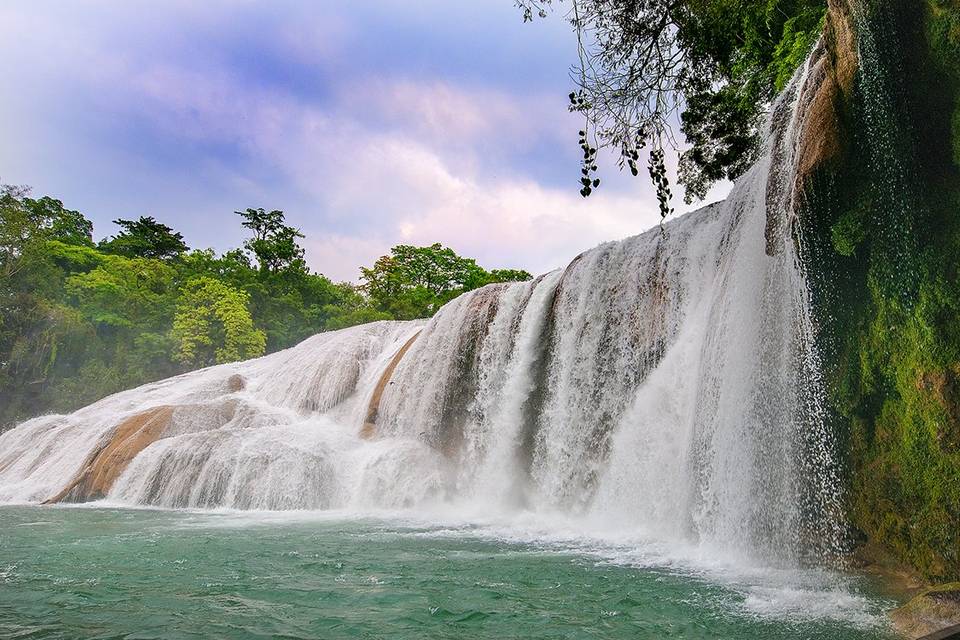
[369,124]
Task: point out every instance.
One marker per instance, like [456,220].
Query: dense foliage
[886,245]
[413,282]
[713,65]
[80,320]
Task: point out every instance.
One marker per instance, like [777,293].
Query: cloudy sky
[369,122]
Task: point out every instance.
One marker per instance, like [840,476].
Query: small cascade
[665,384]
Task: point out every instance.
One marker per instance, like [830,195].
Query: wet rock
[107,462]
[934,614]
[831,77]
[827,88]
[373,408]
[236,382]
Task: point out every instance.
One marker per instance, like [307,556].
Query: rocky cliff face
[880,196]
[832,75]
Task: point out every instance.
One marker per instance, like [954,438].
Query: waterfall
[667,383]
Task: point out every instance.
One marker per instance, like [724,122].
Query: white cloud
[383,161]
[404,192]
[447,115]
[370,189]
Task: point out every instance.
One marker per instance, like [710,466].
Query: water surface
[133,573]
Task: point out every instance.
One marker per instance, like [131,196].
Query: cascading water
[665,384]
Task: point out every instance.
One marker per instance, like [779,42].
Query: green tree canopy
[79,321]
[145,238]
[62,224]
[413,282]
[18,229]
[274,244]
[213,325]
[712,64]
[25,224]
[509,275]
[124,292]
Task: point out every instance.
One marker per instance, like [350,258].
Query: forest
[81,319]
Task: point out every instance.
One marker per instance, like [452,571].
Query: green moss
[847,233]
[906,483]
[943,40]
[892,351]
[955,133]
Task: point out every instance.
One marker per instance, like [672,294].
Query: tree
[18,228]
[62,224]
[289,302]
[79,321]
[274,243]
[510,275]
[351,308]
[120,292]
[413,282]
[213,325]
[232,267]
[145,238]
[25,224]
[38,332]
[712,63]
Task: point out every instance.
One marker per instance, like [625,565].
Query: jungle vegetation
[81,319]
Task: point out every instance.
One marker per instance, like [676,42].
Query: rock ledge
[934,614]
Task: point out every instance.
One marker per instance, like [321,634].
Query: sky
[370,123]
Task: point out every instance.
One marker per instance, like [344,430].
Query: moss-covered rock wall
[881,229]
